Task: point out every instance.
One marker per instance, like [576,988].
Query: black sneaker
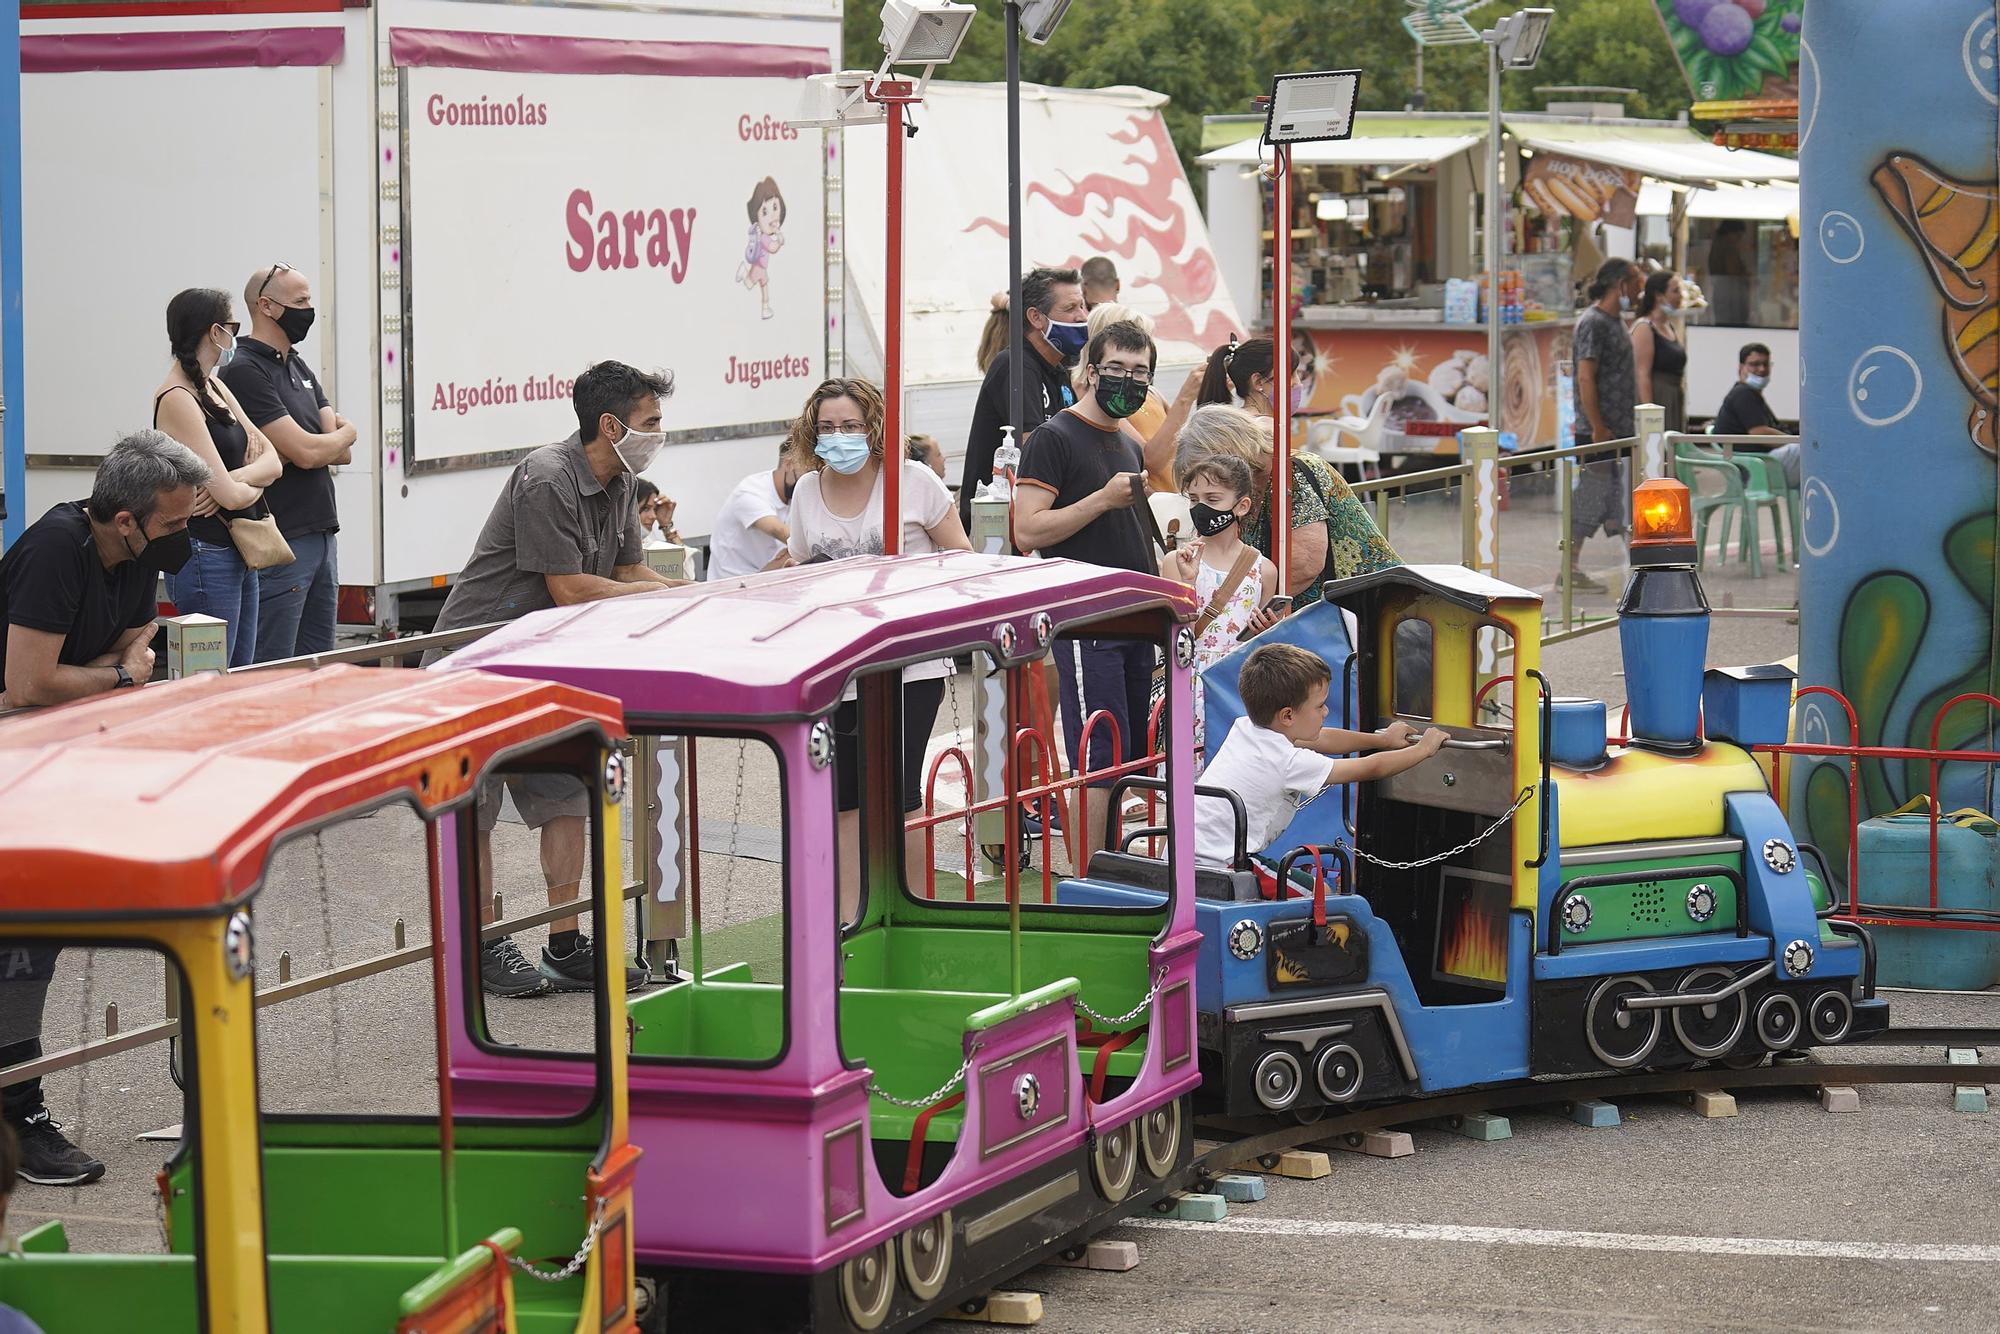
[49,1159]
[505,971]
[1582,582]
[577,970]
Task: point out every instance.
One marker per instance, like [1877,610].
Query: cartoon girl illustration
[767,237]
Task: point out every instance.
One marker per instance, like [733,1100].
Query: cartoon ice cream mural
[1454,391]
[767,237]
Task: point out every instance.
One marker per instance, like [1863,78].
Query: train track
[1233,1142]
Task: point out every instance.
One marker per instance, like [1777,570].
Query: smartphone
[1281,605]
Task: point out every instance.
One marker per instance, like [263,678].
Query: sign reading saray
[1589,191]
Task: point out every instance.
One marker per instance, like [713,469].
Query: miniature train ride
[306,1223]
[1534,899]
[857,1124]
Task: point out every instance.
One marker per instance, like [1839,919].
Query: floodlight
[924,32]
[1312,108]
[834,101]
[1039,19]
[1518,37]
[1331,208]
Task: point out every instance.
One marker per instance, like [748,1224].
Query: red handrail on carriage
[1937,793]
[930,820]
[1041,752]
[1102,1065]
[913,1165]
[1152,797]
[1319,884]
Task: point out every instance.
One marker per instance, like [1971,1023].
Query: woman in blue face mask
[195,407]
[836,514]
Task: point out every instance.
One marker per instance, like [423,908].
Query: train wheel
[1830,1018]
[1710,1030]
[1160,1138]
[1338,1070]
[926,1254]
[868,1286]
[1114,1161]
[1778,1021]
[1277,1080]
[1617,1036]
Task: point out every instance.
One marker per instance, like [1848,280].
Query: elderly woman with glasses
[195,407]
[837,445]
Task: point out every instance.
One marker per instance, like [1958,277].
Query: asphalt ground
[1783,1216]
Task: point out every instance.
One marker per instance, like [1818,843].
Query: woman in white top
[837,445]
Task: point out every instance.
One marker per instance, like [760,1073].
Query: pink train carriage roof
[784,644]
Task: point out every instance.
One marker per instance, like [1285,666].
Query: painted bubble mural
[1899,121]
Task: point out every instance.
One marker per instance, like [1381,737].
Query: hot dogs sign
[1590,191]
[553,220]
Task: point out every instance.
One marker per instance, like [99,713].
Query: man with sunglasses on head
[1082,497]
[284,399]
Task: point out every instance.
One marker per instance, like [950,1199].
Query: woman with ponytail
[195,407]
[1333,536]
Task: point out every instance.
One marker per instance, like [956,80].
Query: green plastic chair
[1762,467]
[1741,500]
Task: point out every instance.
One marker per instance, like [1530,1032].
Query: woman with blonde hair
[1332,535]
[837,444]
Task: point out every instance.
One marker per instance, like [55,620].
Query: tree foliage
[1212,56]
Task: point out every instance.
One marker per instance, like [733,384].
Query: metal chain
[1466,846]
[918,1104]
[1112,1021]
[576,1262]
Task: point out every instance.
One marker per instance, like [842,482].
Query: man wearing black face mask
[1082,484]
[77,600]
[284,399]
[1053,316]
[79,591]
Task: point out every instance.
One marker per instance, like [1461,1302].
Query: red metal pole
[892,337]
[1281,363]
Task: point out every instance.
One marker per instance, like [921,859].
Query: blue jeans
[298,601]
[217,583]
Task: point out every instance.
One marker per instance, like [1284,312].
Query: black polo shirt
[271,384]
[54,580]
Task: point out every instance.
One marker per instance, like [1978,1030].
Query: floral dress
[1321,495]
[1220,638]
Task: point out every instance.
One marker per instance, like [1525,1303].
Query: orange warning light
[1661,514]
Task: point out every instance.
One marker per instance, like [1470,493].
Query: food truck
[1388,253]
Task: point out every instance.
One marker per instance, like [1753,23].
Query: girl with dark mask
[195,407]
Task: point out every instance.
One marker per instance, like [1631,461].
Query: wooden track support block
[1113,1257]
[1192,1207]
[1966,1097]
[1714,1104]
[1839,1098]
[1239,1187]
[1298,1164]
[999,1308]
[1486,1127]
[1377,1143]
[1593,1113]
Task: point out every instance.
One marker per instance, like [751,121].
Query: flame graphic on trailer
[1472,930]
[1102,179]
[1158,223]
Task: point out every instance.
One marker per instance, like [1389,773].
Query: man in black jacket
[1052,307]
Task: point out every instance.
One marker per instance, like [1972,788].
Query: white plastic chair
[1366,434]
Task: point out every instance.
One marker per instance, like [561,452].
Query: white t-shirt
[818,532]
[735,548]
[1274,778]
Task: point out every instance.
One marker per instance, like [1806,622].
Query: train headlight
[1246,939]
[1799,958]
[1780,856]
[1576,914]
[1701,902]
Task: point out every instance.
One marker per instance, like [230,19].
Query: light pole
[914,32]
[1037,19]
[1515,42]
[1300,109]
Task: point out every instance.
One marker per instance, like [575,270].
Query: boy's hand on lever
[1432,741]
[1395,736]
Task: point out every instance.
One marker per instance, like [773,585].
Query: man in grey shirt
[565,529]
[1605,393]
